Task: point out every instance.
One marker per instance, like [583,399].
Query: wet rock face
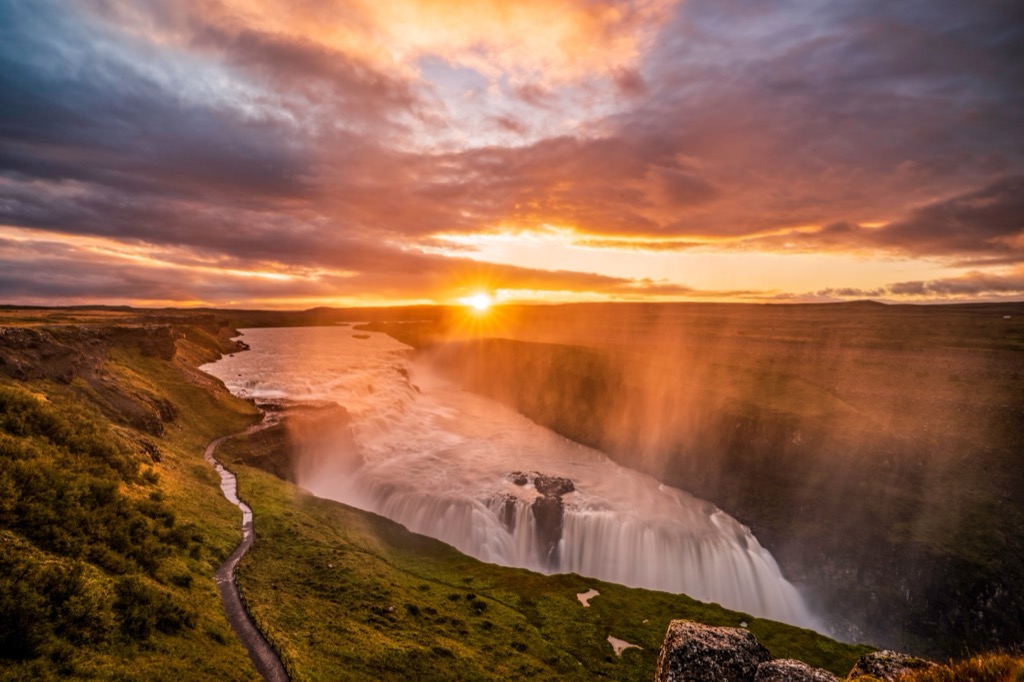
[553,486]
[548,509]
[888,665]
[507,512]
[519,477]
[692,652]
[789,670]
[547,514]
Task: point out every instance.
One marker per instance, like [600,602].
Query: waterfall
[496,486]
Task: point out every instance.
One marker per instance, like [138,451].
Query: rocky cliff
[692,652]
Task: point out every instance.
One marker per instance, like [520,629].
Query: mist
[872,449]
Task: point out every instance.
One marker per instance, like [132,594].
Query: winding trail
[267,662]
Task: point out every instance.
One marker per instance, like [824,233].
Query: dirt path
[262,654]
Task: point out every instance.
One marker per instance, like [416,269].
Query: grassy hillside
[111,523]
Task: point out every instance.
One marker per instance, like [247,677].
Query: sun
[479,302]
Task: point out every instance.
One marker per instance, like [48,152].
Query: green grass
[344,594]
[106,557]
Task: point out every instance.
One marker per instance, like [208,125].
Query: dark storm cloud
[70,112]
[243,119]
[90,144]
[756,118]
[173,124]
[987,220]
[804,114]
[985,224]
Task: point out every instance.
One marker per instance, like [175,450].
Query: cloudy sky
[289,153]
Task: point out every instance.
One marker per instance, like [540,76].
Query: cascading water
[470,472]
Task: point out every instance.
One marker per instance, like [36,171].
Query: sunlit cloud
[530,41]
[287,152]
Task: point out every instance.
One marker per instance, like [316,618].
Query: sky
[293,153]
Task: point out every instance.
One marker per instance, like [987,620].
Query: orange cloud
[547,41]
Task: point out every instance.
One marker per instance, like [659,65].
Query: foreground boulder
[692,652]
[888,665]
[790,670]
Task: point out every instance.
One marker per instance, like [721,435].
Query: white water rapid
[463,469]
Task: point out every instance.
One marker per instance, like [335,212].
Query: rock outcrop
[552,486]
[78,356]
[790,670]
[692,652]
[888,665]
[504,507]
[548,509]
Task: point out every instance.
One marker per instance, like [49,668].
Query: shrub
[143,609]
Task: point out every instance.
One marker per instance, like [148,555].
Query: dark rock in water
[553,485]
[547,509]
[547,512]
[692,652]
[507,512]
[888,665]
[790,670]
